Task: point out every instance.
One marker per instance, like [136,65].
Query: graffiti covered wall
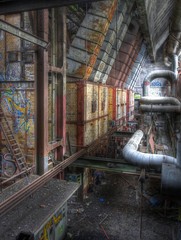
[17,81]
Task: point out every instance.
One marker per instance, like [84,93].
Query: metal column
[42,96]
[80,113]
[61,91]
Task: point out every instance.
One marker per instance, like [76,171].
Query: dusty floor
[112,211]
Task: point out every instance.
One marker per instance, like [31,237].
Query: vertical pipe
[175,64]
[179,152]
[42,96]
[146,88]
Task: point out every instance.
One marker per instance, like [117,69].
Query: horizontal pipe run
[160,108]
[160,100]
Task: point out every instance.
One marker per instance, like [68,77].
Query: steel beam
[14,6]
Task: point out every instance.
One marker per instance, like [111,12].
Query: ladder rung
[10,136]
[16,149]
[18,159]
[16,154]
[8,133]
[22,163]
[15,144]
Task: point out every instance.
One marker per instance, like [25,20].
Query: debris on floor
[112,211]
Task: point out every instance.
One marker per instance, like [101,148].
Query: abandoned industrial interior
[90,120]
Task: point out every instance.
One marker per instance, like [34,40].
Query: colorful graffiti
[55,227]
[7,165]
[19,107]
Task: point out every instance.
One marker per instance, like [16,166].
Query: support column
[80,114]
[128,95]
[114,104]
[42,96]
[61,90]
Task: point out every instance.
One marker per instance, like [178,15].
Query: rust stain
[88,73]
[112,10]
[83,72]
[97,49]
[95,37]
[92,60]
[92,48]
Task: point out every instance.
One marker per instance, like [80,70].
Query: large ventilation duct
[174,104]
[145,160]
[160,108]
[160,100]
[171,76]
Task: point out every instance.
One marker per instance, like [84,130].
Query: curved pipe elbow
[161,73]
[146,160]
[170,75]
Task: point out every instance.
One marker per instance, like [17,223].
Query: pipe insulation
[160,100]
[160,108]
[146,160]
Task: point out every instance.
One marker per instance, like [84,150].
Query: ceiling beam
[13,6]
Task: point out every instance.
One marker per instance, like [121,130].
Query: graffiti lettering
[156,84]
[51,225]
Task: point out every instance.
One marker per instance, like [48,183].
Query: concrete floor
[113,211]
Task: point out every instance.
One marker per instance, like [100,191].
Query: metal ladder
[12,142]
